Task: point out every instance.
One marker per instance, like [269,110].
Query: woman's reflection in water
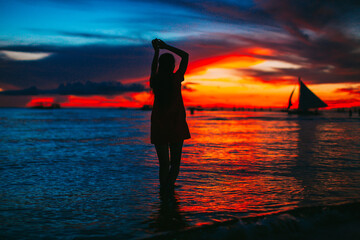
[169,217]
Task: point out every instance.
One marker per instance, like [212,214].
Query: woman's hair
[163,82]
[166,63]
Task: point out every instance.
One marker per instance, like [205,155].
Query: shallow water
[73,173]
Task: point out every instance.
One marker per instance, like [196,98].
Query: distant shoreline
[275,109]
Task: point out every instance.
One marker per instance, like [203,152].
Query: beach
[93,174]
[330,222]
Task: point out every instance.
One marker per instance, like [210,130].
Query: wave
[317,222]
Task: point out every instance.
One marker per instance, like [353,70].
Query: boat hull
[302,112]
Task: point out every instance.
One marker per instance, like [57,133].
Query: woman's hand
[161,44]
[155,44]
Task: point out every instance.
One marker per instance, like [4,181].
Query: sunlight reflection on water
[92,172]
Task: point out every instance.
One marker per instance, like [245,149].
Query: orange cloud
[261,51]
[100,101]
[233,60]
[45,101]
[130,100]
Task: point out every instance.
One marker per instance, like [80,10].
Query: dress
[168,124]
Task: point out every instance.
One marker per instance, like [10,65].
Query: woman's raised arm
[155,60]
[184,55]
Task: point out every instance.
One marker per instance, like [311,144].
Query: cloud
[323,61]
[96,63]
[90,35]
[295,17]
[23,56]
[225,11]
[312,75]
[95,35]
[80,89]
[343,103]
[187,86]
[350,90]
[68,64]
[314,35]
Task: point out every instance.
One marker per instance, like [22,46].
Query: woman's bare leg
[175,158]
[162,151]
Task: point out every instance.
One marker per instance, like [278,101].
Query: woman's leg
[162,151]
[175,157]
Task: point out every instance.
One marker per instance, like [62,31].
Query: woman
[168,118]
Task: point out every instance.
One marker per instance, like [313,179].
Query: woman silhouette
[168,117]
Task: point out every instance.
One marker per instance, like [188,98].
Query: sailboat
[309,103]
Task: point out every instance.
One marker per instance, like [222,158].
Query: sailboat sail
[290,104]
[307,99]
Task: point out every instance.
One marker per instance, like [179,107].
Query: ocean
[93,174]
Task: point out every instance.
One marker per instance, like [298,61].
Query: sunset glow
[246,54]
[220,82]
[179,119]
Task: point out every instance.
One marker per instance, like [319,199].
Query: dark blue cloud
[293,16]
[85,34]
[95,63]
[78,63]
[80,89]
[327,60]
[350,90]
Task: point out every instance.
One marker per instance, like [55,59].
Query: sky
[92,53]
